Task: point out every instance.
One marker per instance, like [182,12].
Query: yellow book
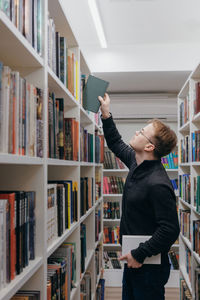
[77,80]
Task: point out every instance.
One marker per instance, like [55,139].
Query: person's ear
[149,147]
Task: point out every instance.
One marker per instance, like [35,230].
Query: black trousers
[145,283]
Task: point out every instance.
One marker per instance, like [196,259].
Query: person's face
[143,139]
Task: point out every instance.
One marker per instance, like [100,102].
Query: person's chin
[131,145]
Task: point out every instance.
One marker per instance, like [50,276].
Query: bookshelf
[113,277]
[27,173]
[189,168]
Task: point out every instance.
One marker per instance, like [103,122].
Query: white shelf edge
[86,164]
[20,159]
[111,220]
[112,245]
[82,219]
[98,202]
[171,170]
[116,170]
[61,86]
[62,162]
[186,278]
[20,38]
[57,242]
[88,260]
[186,241]
[185,127]
[194,210]
[185,203]
[112,195]
[99,240]
[11,288]
[197,257]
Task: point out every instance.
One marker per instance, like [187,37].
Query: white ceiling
[144,37]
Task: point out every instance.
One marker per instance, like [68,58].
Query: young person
[148,204]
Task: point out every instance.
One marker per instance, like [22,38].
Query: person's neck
[140,157]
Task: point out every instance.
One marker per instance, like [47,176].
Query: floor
[113,293]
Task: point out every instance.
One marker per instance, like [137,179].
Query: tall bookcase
[32,173]
[113,277]
[189,169]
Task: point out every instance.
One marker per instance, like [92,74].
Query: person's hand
[131,262]
[105,106]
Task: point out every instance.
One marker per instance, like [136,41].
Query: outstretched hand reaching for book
[131,262]
[105,106]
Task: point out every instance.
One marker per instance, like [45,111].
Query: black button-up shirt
[148,202]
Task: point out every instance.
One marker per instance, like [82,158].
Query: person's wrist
[106,115]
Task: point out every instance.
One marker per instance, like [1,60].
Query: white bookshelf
[32,173]
[192,168]
[113,277]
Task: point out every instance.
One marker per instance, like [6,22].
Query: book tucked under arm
[167,225]
[115,142]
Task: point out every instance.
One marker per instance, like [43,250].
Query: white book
[130,242]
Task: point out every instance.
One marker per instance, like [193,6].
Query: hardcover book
[94,87]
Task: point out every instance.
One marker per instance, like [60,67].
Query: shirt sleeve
[167,225]
[116,144]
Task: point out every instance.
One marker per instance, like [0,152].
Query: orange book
[49,291]
[12,254]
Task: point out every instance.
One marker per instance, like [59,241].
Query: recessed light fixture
[97,21]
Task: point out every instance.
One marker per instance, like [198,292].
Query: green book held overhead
[94,87]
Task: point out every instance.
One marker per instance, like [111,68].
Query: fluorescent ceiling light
[97,21]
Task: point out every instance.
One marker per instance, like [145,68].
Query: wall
[131,112]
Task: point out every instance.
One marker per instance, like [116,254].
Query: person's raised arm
[112,136]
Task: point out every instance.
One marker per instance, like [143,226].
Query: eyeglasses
[142,133]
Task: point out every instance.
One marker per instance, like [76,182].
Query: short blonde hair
[165,138]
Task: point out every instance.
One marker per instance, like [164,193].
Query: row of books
[21,115]
[111,161]
[184,111]
[86,287]
[86,145]
[17,233]
[100,290]
[185,187]
[62,60]
[26,295]
[86,196]
[111,260]
[98,262]
[27,17]
[61,272]
[83,247]
[174,259]
[184,219]
[113,184]
[196,236]
[111,235]
[63,133]
[62,207]
[188,262]
[174,183]
[196,98]
[98,192]
[195,140]
[170,161]
[184,146]
[197,192]
[99,148]
[97,224]
[111,210]
[184,291]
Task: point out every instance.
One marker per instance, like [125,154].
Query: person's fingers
[100,99]
[122,257]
